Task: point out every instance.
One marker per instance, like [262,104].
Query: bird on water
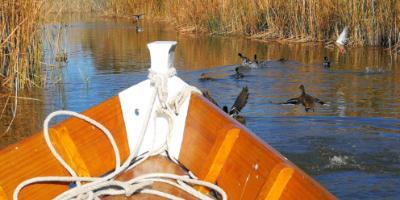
[326,62]
[234,111]
[305,99]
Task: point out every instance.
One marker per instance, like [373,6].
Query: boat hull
[215,147]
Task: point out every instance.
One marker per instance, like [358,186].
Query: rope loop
[95,187]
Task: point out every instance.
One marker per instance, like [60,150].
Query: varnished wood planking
[92,144]
[218,156]
[300,186]
[197,142]
[27,159]
[31,157]
[66,147]
[3,195]
[280,183]
[251,163]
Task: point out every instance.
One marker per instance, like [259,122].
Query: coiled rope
[106,185]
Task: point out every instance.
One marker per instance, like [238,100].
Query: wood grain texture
[252,169]
[280,183]
[86,146]
[66,147]
[2,194]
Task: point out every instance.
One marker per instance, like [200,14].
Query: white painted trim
[135,103]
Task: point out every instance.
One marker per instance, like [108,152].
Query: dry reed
[20,45]
[371,22]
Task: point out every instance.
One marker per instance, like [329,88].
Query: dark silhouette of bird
[238,74]
[136,18]
[139,28]
[244,59]
[305,99]
[326,62]
[254,63]
[282,60]
[206,77]
[240,103]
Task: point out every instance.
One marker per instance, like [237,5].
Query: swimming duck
[240,102]
[61,57]
[305,99]
[244,59]
[326,62]
[254,63]
[238,74]
[282,60]
[206,77]
[139,28]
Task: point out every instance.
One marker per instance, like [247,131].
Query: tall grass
[371,22]
[20,45]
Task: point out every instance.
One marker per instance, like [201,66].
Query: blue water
[351,145]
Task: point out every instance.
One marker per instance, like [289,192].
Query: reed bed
[371,22]
[20,43]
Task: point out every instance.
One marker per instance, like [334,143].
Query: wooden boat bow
[213,146]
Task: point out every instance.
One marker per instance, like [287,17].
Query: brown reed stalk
[20,45]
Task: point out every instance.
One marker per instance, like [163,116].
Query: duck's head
[255,59]
[301,87]
[225,109]
[245,60]
[326,58]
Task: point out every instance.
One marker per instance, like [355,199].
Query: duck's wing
[244,59]
[319,101]
[241,101]
[343,37]
[294,101]
[207,95]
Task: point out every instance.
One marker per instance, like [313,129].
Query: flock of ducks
[304,99]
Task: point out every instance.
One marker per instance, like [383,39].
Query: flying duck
[305,99]
[343,39]
[240,102]
[137,17]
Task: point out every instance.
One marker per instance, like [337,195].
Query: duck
[206,77]
[254,63]
[234,111]
[139,28]
[343,40]
[238,74]
[137,17]
[61,57]
[282,60]
[326,62]
[305,99]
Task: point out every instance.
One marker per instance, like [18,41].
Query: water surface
[351,145]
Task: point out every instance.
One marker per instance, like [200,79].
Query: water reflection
[353,140]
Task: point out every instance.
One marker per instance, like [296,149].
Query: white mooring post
[162,56]
[135,102]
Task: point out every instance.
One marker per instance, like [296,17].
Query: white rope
[99,186]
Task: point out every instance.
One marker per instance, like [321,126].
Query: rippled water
[351,145]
